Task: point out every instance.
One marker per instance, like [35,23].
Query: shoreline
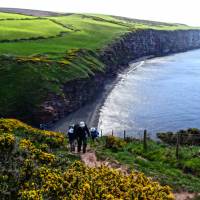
[90,112]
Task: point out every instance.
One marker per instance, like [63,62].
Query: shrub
[80,182]
[114,143]
[7,142]
[28,147]
[33,134]
[190,136]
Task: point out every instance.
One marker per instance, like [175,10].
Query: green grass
[159,162]
[25,29]
[4,15]
[91,35]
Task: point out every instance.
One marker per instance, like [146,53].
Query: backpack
[71,131]
[94,133]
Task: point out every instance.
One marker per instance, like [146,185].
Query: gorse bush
[114,143]
[79,182]
[27,147]
[22,150]
[7,142]
[20,129]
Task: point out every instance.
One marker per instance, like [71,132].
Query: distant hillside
[37,13]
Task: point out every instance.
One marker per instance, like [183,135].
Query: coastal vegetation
[158,161]
[36,164]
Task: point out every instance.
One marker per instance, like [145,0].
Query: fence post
[124,135]
[177,146]
[101,132]
[145,140]
[112,133]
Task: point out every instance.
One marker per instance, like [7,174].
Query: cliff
[115,56]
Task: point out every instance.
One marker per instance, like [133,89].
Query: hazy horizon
[173,11]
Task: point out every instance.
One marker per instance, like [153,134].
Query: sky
[181,11]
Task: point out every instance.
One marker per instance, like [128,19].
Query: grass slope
[158,162]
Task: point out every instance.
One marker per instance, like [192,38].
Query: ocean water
[159,94]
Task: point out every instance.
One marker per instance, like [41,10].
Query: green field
[27,29]
[88,32]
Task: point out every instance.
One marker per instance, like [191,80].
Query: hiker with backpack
[94,133]
[71,135]
[82,134]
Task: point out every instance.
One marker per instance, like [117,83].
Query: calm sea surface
[160,94]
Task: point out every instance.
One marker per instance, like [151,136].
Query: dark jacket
[83,132]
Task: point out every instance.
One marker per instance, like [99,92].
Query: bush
[190,136]
[114,143]
[80,182]
[23,149]
[7,142]
[20,129]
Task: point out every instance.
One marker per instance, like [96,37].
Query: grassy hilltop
[38,54]
[85,31]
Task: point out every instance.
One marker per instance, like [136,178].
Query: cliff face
[116,57]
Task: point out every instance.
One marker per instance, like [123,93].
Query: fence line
[146,137]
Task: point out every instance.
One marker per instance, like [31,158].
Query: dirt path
[184,196]
[90,160]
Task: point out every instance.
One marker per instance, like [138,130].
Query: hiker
[94,133]
[82,134]
[72,137]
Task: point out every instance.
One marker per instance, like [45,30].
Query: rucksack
[71,131]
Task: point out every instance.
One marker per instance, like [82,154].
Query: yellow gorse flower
[80,182]
[44,157]
[17,127]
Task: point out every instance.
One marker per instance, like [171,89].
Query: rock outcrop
[116,56]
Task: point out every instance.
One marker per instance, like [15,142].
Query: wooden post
[112,133]
[177,146]
[145,140]
[101,132]
[124,135]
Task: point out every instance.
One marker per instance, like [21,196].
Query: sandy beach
[90,112]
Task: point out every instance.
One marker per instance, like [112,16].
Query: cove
[159,94]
